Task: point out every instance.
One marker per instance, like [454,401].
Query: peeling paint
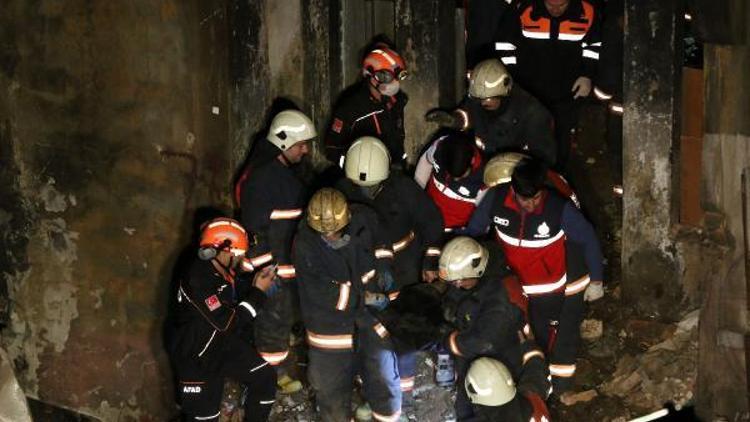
[53,200]
[60,309]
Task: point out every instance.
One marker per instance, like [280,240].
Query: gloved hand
[594,291]
[581,87]
[267,281]
[377,300]
[386,283]
[442,117]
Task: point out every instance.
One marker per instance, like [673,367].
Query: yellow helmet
[489,383]
[462,257]
[500,168]
[328,211]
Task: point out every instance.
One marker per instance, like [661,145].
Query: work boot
[445,375]
[288,385]
[363,412]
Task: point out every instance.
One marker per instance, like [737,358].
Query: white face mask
[390,89]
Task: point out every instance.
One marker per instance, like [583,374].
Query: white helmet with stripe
[489,383]
[367,161]
[461,258]
[290,127]
[490,79]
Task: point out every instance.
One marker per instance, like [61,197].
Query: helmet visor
[385,76]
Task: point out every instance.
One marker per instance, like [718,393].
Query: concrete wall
[113,129]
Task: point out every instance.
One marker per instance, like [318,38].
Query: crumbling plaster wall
[113,129]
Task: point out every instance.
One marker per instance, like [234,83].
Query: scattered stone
[570,399]
[591,329]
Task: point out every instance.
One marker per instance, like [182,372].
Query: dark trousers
[331,374]
[201,383]
[274,324]
[565,114]
[555,321]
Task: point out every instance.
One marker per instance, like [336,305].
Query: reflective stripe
[593,44]
[530,355]
[504,46]
[274,358]
[344,289]
[450,193]
[601,94]
[509,60]
[479,143]
[381,330]
[383,253]
[564,371]
[537,35]
[407,384]
[266,401]
[290,214]
[616,108]
[393,295]
[651,416]
[335,342]
[577,286]
[591,54]
[247,265]
[527,330]
[286,271]
[207,418]
[368,276]
[387,418]
[261,259]
[403,243]
[259,366]
[454,344]
[529,243]
[535,289]
[207,344]
[368,115]
[465,117]
[433,252]
[570,37]
[249,308]
[226,223]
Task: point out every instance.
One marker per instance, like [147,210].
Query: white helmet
[490,79]
[367,161]
[489,383]
[462,257]
[290,127]
[500,168]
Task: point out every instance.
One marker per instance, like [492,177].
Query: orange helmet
[384,64]
[223,234]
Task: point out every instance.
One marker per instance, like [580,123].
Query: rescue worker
[409,220]
[552,48]
[495,394]
[502,114]
[451,171]
[336,269]
[374,107]
[271,199]
[214,326]
[487,323]
[536,227]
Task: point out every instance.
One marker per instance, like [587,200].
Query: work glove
[594,291]
[376,300]
[581,87]
[442,118]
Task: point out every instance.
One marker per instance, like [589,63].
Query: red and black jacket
[547,54]
[536,244]
[455,198]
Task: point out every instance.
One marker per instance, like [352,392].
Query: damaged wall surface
[113,129]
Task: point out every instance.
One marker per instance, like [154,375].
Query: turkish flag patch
[213,303]
[337,125]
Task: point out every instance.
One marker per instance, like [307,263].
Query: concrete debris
[570,399]
[13,406]
[666,372]
[591,329]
